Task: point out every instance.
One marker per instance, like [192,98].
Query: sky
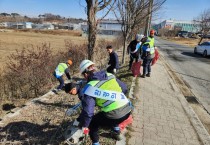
[182,9]
[172,9]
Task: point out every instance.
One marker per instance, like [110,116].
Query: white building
[109,27]
[47,26]
[188,26]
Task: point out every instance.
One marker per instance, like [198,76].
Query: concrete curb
[195,121]
[131,92]
[17,110]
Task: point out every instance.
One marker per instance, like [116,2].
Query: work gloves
[77,133]
[114,70]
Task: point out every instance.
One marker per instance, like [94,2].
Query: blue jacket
[113,60]
[88,102]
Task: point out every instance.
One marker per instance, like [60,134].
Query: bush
[29,71]
[167,33]
[101,54]
[76,53]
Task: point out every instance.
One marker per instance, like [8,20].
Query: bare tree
[149,18]
[132,14]
[94,6]
[203,22]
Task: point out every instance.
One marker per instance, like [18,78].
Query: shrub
[75,52]
[101,54]
[29,71]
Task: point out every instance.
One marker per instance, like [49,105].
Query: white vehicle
[203,48]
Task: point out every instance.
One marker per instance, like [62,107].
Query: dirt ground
[44,121]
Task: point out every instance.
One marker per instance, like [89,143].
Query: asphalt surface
[192,68]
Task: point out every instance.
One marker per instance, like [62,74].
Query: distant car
[183,34]
[203,48]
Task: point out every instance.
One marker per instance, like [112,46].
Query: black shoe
[148,75]
[143,76]
[56,91]
[116,136]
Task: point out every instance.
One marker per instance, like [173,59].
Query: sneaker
[96,143]
[148,75]
[56,91]
[116,136]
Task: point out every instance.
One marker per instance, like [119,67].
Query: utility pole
[149,18]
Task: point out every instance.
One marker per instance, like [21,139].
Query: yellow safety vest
[152,45]
[112,85]
[60,69]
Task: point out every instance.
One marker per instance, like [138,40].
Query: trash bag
[136,68]
[154,60]
[125,123]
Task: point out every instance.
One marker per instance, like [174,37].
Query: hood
[100,75]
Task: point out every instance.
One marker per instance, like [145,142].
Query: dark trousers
[100,120]
[61,81]
[147,65]
[132,58]
[110,69]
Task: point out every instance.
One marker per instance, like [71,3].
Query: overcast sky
[172,9]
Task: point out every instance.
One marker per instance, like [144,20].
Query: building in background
[105,27]
[46,26]
[178,25]
[109,27]
[17,25]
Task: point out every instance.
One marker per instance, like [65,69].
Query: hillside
[50,18]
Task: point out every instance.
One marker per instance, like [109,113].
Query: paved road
[194,69]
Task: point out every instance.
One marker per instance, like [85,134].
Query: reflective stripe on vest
[107,87]
[152,41]
[60,69]
[152,45]
[148,49]
[152,50]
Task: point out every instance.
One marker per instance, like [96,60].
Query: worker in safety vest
[61,69]
[133,49]
[108,93]
[147,55]
[151,38]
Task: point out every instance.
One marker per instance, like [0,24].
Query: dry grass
[44,122]
[11,40]
[185,41]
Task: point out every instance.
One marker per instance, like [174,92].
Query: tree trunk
[148,21]
[92,30]
[200,40]
[124,49]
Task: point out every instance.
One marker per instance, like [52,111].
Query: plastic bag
[154,60]
[136,68]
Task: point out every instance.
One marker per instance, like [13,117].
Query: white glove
[114,70]
[76,134]
[75,123]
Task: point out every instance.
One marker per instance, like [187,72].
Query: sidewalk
[159,116]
